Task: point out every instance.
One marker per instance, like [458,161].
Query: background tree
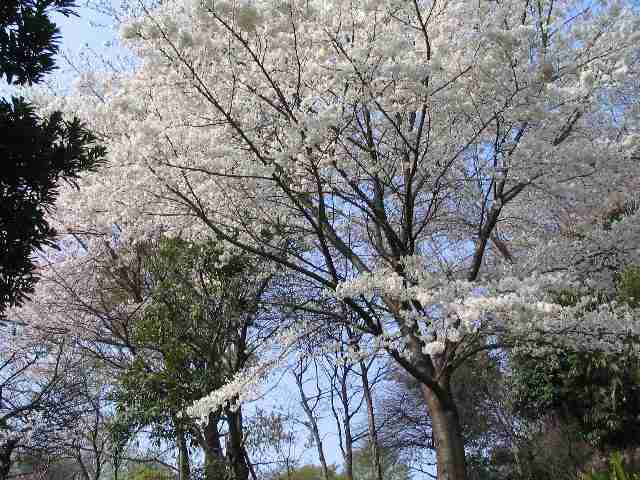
[589,400]
[200,324]
[593,395]
[41,398]
[309,472]
[365,466]
[80,448]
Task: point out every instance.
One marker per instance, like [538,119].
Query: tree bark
[339,378]
[6,451]
[371,420]
[184,470]
[235,450]
[312,424]
[83,468]
[214,464]
[348,437]
[447,434]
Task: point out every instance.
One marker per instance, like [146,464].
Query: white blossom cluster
[447,311]
[153,136]
[245,384]
[386,135]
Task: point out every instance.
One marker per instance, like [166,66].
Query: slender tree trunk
[184,468]
[371,420]
[214,464]
[235,450]
[83,467]
[6,451]
[312,424]
[348,437]
[447,435]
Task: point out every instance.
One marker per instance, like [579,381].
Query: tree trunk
[348,437]
[235,450]
[6,451]
[312,424]
[447,435]
[214,464]
[83,468]
[371,421]
[183,454]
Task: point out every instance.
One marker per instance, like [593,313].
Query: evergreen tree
[37,153]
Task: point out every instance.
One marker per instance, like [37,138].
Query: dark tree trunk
[312,425]
[348,436]
[184,470]
[371,421]
[214,462]
[6,451]
[447,434]
[235,452]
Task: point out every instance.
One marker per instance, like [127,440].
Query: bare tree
[309,405]
[39,395]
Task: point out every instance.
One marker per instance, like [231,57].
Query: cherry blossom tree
[168,320]
[40,401]
[411,160]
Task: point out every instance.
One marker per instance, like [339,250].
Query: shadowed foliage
[37,153]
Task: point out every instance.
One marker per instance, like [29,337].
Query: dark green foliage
[36,154]
[200,309]
[618,471]
[183,336]
[28,38]
[597,391]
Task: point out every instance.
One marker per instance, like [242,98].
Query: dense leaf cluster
[29,39]
[182,335]
[598,391]
[36,153]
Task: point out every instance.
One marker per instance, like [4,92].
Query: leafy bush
[150,473]
[596,390]
[617,472]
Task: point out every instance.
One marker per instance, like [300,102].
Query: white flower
[433,348]
[454,335]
